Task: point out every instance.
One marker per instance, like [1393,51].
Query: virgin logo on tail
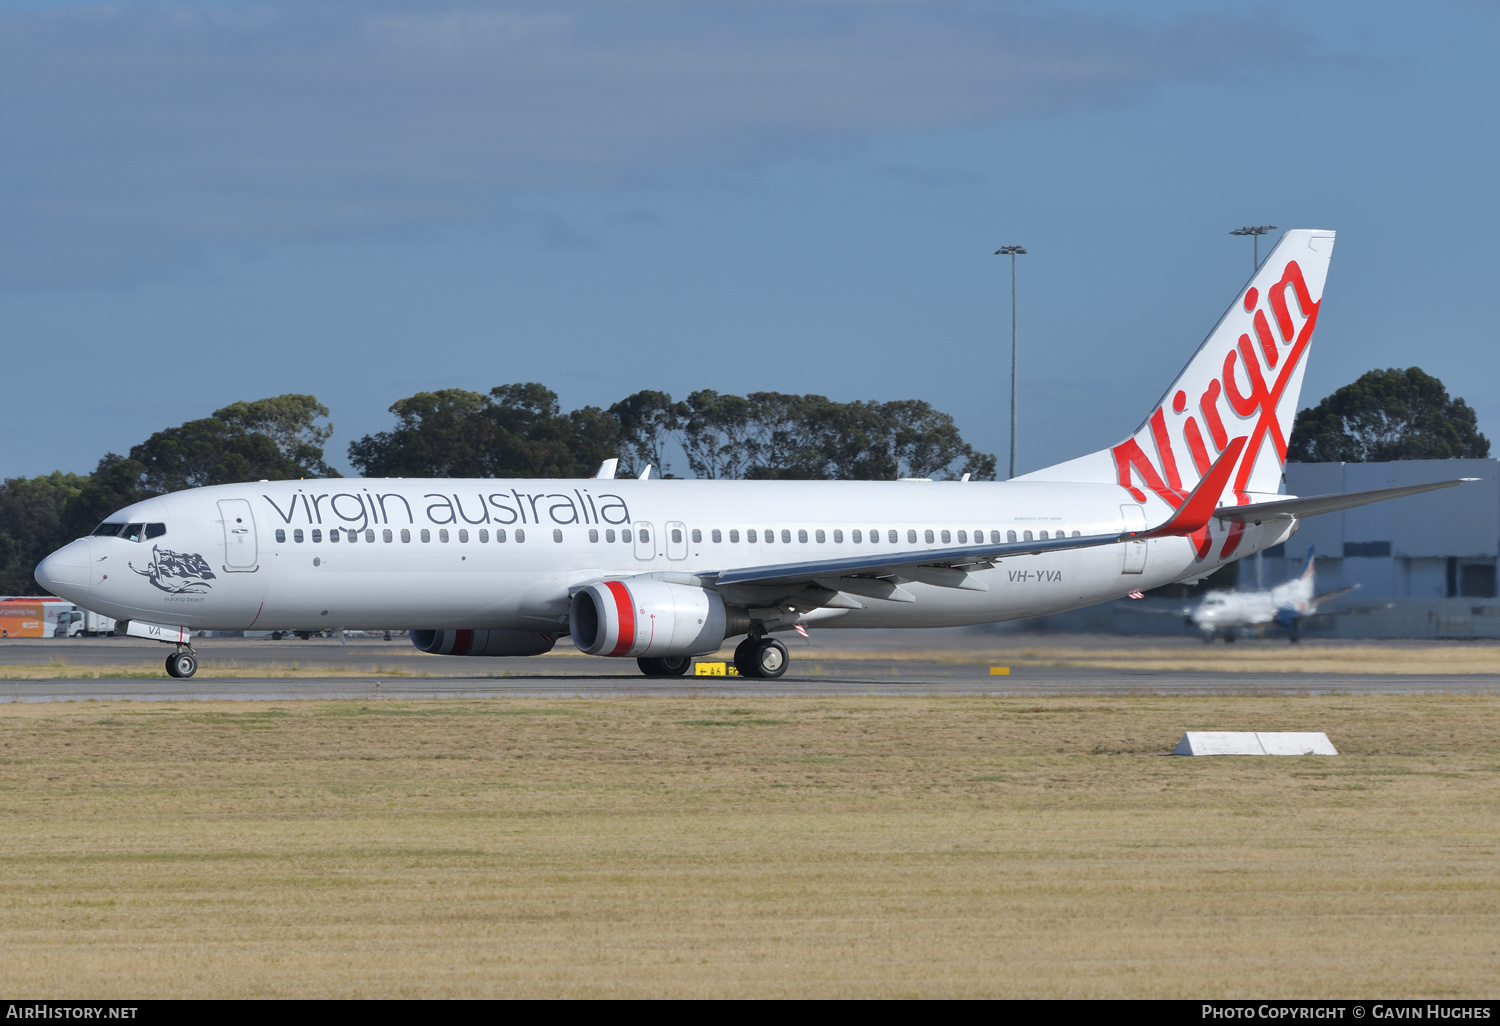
[1254,376]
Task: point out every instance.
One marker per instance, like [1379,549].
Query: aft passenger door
[677,544]
[645,541]
[239,536]
[1135,551]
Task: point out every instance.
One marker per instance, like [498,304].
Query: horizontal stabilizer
[1312,505]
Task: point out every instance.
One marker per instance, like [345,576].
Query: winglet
[1201,501]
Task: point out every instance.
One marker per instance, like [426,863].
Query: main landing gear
[666,666]
[765,658]
[182,663]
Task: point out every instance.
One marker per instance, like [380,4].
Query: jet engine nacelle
[643,616]
[483,643]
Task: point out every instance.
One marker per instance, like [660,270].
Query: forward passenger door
[239,536]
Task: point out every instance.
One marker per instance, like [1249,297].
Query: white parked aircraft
[661,571]
[1224,614]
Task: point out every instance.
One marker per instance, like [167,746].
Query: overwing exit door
[645,541]
[677,544]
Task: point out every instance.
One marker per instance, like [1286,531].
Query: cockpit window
[133,532]
[107,530]
[155,530]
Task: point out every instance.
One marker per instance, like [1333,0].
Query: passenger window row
[753,536]
[626,535]
[857,536]
[337,534]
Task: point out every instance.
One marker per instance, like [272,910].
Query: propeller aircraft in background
[1233,614]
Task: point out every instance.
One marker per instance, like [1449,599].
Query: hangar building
[1425,564]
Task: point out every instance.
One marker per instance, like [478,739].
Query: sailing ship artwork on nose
[177,573]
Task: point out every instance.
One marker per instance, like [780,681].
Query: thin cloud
[934,177]
[134,136]
[636,218]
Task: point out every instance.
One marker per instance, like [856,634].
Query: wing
[950,567]
[1328,595]
[1311,506]
[1182,614]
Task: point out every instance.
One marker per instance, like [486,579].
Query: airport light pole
[1255,232]
[1012,252]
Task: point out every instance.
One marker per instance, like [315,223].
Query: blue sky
[205,202]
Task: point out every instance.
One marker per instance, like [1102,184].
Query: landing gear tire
[182,664]
[666,666]
[766,659]
[744,659]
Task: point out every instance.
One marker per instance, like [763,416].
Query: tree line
[516,430]
[274,439]
[519,430]
[1387,415]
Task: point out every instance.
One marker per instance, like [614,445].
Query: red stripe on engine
[461,642]
[625,610]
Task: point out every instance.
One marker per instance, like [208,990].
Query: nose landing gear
[182,663]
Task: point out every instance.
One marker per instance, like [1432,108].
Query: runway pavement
[371,669]
[1038,682]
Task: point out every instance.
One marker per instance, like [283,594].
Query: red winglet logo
[1201,502]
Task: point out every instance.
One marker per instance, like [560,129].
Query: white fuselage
[428,554]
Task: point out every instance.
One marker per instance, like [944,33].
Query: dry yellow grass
[953,847]
[1322,658]
[1314,657]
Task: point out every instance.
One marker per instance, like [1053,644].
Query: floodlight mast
[1255,232]
[1012,252]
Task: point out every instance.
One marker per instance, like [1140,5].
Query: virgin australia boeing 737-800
[661,571]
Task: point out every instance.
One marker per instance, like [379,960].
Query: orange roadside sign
[24,619]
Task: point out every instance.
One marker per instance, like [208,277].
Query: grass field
[243,659]
[638,847]
[1246,657]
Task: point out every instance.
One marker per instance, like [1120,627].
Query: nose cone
[66,571]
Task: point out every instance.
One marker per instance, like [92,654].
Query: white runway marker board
[1228,742]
